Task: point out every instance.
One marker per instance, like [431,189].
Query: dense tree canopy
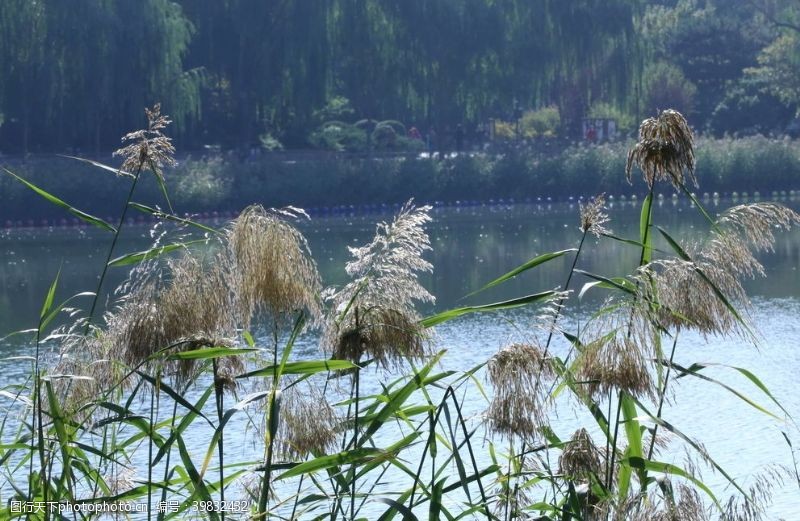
[238,72]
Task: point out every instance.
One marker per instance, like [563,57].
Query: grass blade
[152,253]
[58,202]
[536,261]
[207,353]
[307,367]
[450,314]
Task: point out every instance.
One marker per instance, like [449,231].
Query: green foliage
[201,182]
[337,108]
[229,72]
[544,122]
[269,142]
[626,122]
[666,86]
[778,67]
[339,136]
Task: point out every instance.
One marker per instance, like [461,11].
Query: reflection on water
[472,246]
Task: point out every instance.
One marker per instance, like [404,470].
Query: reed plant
[115,417]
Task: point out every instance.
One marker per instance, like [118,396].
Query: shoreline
[781,196]
[333,185]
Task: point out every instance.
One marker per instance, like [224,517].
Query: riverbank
[331,183]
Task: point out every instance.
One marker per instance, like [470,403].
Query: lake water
[473,245]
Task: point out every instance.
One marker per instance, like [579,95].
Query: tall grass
[191,324]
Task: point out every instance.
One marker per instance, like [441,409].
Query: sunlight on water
[472,246]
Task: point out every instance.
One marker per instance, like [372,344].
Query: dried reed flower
[665,150]
[374,314]
[593,217]
[759,496]
[580,459]
[386,335]
[754,223]
[148,147]
[689,506]
[620,353]
[185,306]
[687,290]
[121,479]
[616,365]
[307,423]
[518,405]
[87,379]
[273,270]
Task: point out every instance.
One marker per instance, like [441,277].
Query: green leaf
[699,207]
[57,309]
[695,446]
[307,367]
[694,370]
[152,253]
[634,434]
[58,202]
[619,283]
[629,241]
[162,386]
[445,316]
[171,217]
[185,422]
[298,327]
[645,236]
[397,398]
[396,507]
[48,301]
[208,353]
[348,457]
[674,244]
[107,168]
[666,468]
[197,481]
[436,500]
[536,261]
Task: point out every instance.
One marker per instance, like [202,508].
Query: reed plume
[183,305]
[518,406]
[374,314]
[665,150]
[687,289]
[272,267]
[148,146]
[593,216]
[581,459]
[307,423]
[620,351]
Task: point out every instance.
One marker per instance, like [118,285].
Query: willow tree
[78,72]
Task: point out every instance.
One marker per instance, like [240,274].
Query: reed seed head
[185,305]
[665,150]
[593,216]
[580,459]
[148,147]
[273,270]
[307,423]
[754,223]
[518,406]
[688,289]
[374,314]
[387,335]
[620,352]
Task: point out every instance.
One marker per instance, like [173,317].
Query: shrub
[339,136]
[543,122]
